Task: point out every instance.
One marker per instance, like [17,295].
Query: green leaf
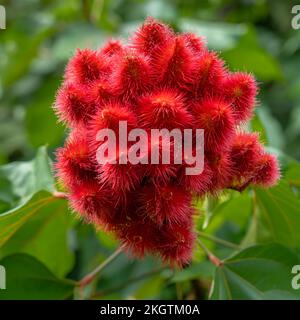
[236,210]
[219,36]
[14,219]
[107,239]
[150,288]
[22,179]
[279,215]
[26,51]
[292,174]
[249,56]
[258,272]
[75,36]
[201,270]
[38,222]
[37,228]
[272,128]
[42,126]
[210,206]
[254,60]
[257,125]
[29,279]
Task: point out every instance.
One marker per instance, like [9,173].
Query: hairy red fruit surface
[120,178]
[85,67]
[109,116]
[151,37]
[73,105]
[176,244]
[208,75]
[240,89]
[132,75]
[173,244]
[74,163]
[91,200]
[244,153]
[162,172]
[197,44]
[139,236]
[160,80]
[166,204]
[222,170]
[175,64]
[112,48]
[214,115]
[164,109]
[198,184]
[100,93]
[267,171]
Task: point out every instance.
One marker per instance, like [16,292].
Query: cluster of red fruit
[159,80]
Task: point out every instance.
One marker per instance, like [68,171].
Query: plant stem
[179,291]
[91,276]
[60,195]
[86,9]
[218,240]
[96,11]
[213,259]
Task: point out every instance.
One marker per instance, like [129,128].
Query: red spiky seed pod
[240,89]
[92,201]
[73,106]
[139,236]
[267,172]
[112,48]
[222,170]
[197,44]
[100,93]
[165,204]
[161,174]
[244,153]
[160,80]
[151,37]
[120,178]
[176,244]
[74,163]
[164,109]
[85,67]
[208,75]
[175,64]
[214,115]
[159,171]
[198,184]
[109,116]
[132,75]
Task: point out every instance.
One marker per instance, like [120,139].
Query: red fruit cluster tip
[158,80]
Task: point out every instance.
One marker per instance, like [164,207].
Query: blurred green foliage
[36,229]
